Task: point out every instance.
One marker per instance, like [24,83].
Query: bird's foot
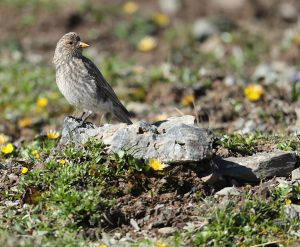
[76,123]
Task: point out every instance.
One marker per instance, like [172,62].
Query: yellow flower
[188,100]
[161,244]
[288,201]
[160,117]
[130,7]
[42,102]
[3,139]
[24,170]
[8,149]
[62,162]
[25,122]
[147,43]
[157,165]
[254,92]
[161,19]
[36,154]
[52,134]
[102,245]
[297,40]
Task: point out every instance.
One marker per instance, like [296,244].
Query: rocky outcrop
[177,140]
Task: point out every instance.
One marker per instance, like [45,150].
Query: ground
[241,81]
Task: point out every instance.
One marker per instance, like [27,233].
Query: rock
[229,81]
[296,174]
[13,177]
[292,211]
[213,45]
[288,12]
[170,7]
[265,72]
[203,29]
[231,5]
[166,230]
[228,191]
[134,224]
[175,140]
[11,203]
[283,182]
[259,166]
[215,179]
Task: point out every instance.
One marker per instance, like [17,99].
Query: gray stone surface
[229,191]
[296,174]
[288,12]
[203,29]
[292,211]
[166,230]
[176,140]
[259,166]
[170,7]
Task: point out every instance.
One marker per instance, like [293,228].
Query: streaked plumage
[82,83]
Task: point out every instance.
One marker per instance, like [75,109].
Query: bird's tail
[122,115]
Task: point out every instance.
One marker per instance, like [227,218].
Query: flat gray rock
[176,140]
[296,174]
[229,191]
[259,166]
[166,230]
[292,211]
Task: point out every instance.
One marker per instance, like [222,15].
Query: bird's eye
[71,43]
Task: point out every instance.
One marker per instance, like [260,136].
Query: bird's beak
[83,45]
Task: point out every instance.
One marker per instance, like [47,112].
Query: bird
[82,83]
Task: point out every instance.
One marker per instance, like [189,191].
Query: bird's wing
[102,84]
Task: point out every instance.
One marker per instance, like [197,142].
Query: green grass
[69,204]
[68,199]
[248,144]
[22,84]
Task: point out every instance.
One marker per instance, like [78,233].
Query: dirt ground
[168,199]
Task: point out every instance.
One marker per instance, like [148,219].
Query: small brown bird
[82,83]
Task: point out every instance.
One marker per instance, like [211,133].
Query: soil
[168,200]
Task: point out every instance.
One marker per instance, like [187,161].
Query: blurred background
[233,64]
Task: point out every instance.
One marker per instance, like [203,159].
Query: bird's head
[68,46]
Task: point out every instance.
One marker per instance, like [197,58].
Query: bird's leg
[102,119]
[84,116]
[83,119]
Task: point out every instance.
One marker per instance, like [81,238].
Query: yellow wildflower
[157,165]
[36,154]
[130,7]
[288,201]
[297,40]
[102,245]
[161,244]
[3,139]
[160,117]
[7,149]
[25,122]
[161,19]
[62,162]
[42,102]
[24,170]
[254,92]
[147,43]
[188,100]
[52,134]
